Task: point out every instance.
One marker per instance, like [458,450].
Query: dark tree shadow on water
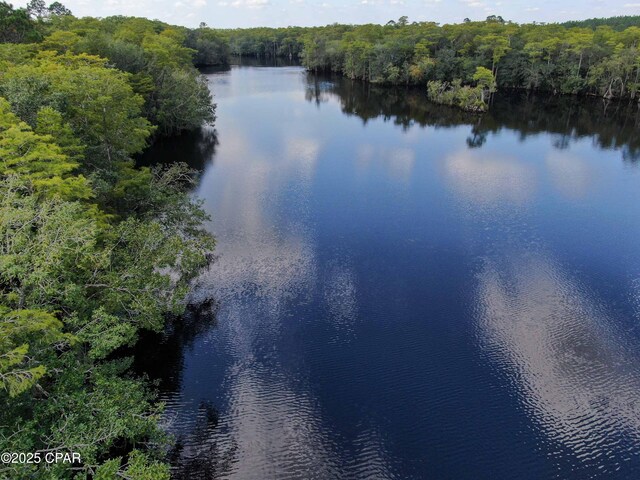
[195,453]
[160,356]
[196,148]
[610,124]
[198,455]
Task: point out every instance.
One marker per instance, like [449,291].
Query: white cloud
[249,3]
[473,3]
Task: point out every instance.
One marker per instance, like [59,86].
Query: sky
[282,13]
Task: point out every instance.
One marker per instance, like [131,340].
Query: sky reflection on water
[407,291]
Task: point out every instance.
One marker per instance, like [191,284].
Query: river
[406,291]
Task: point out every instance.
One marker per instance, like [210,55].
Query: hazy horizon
[282,13]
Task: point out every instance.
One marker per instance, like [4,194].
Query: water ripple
[570,367]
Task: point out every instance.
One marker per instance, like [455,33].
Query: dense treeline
[600,61]
[617,23]
[265,42]
[472,99]
[597,57]
[92,249]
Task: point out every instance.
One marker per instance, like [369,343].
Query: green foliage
[61,41]
[58,9]
[471,99]
[617,23]
[88,409]
[601,59]
[45,246]
[37,159]
[160,59]
[166,51]
[74,289]
[27,339]
[138,467]
[78,280]
[485,79]
[97,102]
[50,122]
[211,47]
[181,101]
[16,25]
[265,42]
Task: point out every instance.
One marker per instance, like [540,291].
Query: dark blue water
[405,291]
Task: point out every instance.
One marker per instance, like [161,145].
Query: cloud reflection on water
[486,178]
[271,422]
[571,175]
[569,365]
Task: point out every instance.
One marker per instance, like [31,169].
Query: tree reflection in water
[611,124]
[196,148]
[195,453]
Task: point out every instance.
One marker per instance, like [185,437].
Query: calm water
[405,291]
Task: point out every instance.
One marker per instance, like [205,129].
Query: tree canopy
[92,249]
[596,57]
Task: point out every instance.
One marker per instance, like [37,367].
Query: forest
[596,57]
[94,249]
[599,57]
